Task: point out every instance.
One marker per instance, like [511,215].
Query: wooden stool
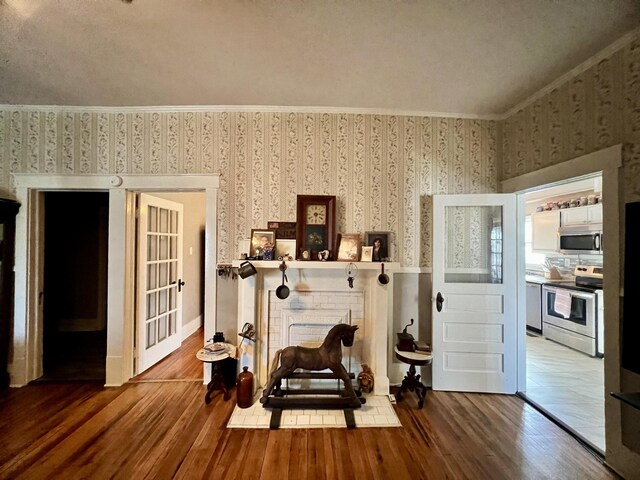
[412,381]
[217,378]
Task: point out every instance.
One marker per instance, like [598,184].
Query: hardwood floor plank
[165,431]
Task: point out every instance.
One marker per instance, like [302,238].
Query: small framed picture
[367,253]
[285,230]
[349,247]
[262,239]
[380,243]
[285,248]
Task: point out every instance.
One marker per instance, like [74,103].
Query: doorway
[75,286]
[28,321]
[565,349]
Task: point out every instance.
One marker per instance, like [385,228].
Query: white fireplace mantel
[324,283]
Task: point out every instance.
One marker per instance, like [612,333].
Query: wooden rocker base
[281,400]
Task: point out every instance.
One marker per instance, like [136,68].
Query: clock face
[316,214]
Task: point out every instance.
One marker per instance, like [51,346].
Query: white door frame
[26,364]
[608,161]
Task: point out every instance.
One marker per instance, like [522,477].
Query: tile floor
[377,412]
[569,385]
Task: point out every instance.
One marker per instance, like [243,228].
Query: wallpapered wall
[596,109]
[382,168]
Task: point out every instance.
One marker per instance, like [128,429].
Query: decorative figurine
[365,379]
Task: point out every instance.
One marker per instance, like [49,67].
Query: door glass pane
[151,305]
[174,221]
[152,247]
[172,324]
[172,297]
[162,328]
[152,219]
[152,280]
[162,301]
[164,247]
[151,334]
[174,247]
[163,270]
[473,246]
[173,276]
[164,220]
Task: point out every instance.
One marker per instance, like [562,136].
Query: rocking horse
[326,356]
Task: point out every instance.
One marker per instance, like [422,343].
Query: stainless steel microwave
[585,239]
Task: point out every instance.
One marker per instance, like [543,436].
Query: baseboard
[192,327]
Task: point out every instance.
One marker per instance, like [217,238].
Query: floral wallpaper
[382,168]
[594,110]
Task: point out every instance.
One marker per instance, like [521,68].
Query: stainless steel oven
[577,329]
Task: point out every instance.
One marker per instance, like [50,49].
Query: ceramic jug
[244,388]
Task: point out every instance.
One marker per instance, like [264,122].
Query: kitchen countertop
[569,283]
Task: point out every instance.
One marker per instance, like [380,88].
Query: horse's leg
[275,380]
[343,375]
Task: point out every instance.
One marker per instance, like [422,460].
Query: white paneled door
[159,287]
[474,293]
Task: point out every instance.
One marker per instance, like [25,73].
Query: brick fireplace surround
[320,298]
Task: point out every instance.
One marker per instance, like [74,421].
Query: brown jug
[244,388]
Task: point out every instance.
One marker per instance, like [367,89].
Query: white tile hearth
[377,412]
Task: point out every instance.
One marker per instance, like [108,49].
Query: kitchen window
[531,258]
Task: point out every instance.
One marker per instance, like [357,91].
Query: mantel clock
[316,224]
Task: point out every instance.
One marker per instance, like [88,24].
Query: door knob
[180,284]
[439,301]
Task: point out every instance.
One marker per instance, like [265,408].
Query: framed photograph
[380,243]
[349,247]
[285,248]
[261,239]
[284,230]
[367,253]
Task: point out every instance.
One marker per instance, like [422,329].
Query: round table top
[413,358]
[206,356]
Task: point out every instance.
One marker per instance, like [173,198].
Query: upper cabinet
[544,231]
[582,215]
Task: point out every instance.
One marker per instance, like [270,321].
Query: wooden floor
[163,429]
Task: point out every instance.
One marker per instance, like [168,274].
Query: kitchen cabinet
[534,306]
[544,231]
[582,215]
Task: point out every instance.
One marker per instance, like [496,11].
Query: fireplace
[320,298]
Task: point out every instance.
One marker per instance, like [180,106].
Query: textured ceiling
[468,57]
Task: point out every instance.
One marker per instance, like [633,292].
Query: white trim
[249,109]
[610,157]
[191,327]
[27,361]
[584,66]
[43,181]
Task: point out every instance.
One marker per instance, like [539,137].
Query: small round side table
[412,381]
[217,378]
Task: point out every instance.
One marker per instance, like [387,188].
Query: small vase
[244,388]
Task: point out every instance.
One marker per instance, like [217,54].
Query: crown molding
[244,108]
[584,66]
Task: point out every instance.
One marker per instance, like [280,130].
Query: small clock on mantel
[316,224]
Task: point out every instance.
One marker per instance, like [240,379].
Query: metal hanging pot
[383,278]
[282,291]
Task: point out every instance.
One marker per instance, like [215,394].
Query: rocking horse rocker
[328,355]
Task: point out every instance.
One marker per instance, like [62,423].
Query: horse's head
[348,334]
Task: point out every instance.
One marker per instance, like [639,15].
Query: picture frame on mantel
[284,230]
[367,253]
[349,247]
[261,239]
[380,243]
